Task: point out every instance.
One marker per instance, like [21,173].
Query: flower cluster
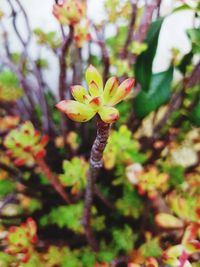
[100,100]
[69,12]
[25,144]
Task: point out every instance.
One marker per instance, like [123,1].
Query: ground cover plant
[104,169]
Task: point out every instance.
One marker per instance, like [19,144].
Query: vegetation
[103,170]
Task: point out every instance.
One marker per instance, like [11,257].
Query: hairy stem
[95,165]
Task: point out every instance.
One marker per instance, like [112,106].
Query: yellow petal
[110,88]
[76,111]
[93,75]
[109,114]
[122,91]
[80,93]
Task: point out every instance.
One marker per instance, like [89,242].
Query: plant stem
[63,74]
[53,180]
[130,30]
[95,165]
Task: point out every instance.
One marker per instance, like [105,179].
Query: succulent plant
[69,12]
[100,100]
[24,144]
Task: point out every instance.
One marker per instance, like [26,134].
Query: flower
[69,12]
[100,100]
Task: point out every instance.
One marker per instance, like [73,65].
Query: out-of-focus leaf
[9,87]
[165,220]
[186,60]
[158,94]
[194,35]
[6,187]
[143,66]
[117,39]
[195,115]
[182,8]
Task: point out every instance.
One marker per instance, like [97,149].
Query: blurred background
[173,33]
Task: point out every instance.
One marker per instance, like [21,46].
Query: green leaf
[158,94]
[182,8]
[194,35]
[195,115]
[185,62]
[6,187]
[143,66]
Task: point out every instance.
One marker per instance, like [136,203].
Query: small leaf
[166,220]
[76,111]
[110,88]
[92,75]
[79,93]
[109,114]
[122,91]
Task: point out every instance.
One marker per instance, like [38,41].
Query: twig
[130,30]
[63,75]
[104,52]
[53,180]
[150,6]
[95,165]
[106,202]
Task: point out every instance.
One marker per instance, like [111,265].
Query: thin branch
[27,22]
[95,165]
[104,200]
[146,19]
[104,52]
[53,180]
[130,30]
[63,74]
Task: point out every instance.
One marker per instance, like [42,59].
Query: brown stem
[63,75]
[53,180]
[150,6]
[104,200]
[130,30]
[95,165]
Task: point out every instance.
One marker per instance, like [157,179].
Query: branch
[53,180]
[130,30]
[104,52]
[26,20]
[146,19]
[63,74]
[14,22]
[104,200]
[62,63]
[95,165]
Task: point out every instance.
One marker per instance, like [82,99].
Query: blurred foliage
[146,208]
